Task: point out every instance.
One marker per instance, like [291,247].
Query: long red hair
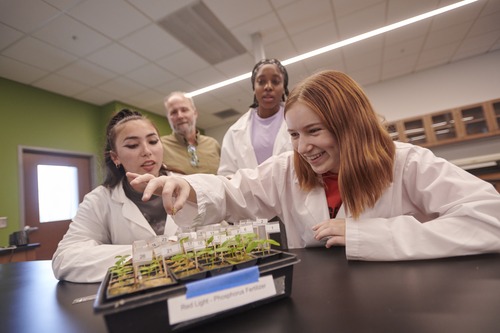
[366,149]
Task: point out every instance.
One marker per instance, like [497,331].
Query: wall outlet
[3,222]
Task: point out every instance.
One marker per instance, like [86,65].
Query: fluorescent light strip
[340,44]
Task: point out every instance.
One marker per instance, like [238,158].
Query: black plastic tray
[148,311]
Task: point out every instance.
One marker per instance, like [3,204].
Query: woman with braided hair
[113,216]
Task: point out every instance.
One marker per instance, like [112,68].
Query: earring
[118,165]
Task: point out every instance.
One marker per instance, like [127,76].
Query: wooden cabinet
[17,254]
[449,126]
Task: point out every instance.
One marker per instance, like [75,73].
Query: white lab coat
[432,209]
[237,150]
[106,224]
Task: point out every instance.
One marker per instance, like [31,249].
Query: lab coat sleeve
[85,252]
[433,209]
[228,158]
[250,193]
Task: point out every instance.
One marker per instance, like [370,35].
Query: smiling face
[137,147]
[312,140]
[269,89]
[181,115]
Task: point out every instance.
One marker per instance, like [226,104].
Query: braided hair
[115,173]
[281,68]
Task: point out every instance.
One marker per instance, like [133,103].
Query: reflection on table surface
[329,294]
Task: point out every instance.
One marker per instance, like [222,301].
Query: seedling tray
[148,310]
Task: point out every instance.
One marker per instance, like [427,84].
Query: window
[57,192]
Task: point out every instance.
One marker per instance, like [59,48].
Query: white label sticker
[246,229]
[181,309]
[272,227]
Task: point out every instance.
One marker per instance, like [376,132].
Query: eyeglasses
[194,158]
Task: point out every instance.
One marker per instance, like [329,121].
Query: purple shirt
[264,131]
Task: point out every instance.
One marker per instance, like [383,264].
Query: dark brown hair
[115,174]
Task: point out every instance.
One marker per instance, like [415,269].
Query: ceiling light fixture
[340,44]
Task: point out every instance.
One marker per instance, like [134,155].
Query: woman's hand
[174,191]
[333,230]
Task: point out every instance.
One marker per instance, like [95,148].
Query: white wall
[217,132]
[465,82]
[462,83]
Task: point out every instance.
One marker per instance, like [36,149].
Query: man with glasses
[187,151]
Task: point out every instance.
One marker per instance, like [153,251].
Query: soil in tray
[240,263]
[217,268]
[190,274]
[121,284]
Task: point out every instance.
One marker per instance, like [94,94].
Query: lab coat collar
[312,204]
[129,210]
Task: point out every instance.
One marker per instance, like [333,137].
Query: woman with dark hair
[347,183]
[261,132]
[113,216]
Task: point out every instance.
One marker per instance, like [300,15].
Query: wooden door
[50,233]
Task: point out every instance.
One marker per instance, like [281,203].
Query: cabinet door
[474,120]
[444,127]
[393,131]
[496,113]
[415,131]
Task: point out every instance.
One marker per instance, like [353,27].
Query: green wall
[36,118]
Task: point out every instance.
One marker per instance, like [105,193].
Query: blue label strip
[224,281]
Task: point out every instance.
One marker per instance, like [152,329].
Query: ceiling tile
[117,59]
[237,66]
[490,6]
[26,15]
[60,85]
[447,35]
[361,21]
[366,76]
[86,73]
[460,15]
[36,53]
[281,50]
[144,99]
[481,43]
[205,77]
[399,10]
[400,66]
[183,62]
[17,71]
[315,38]
[95,96]
[362,55]
[403,49]
[72,36]
[8,36]
[301,16]
[175,85]
[329,60]
[152,42]
[485,24]
[122,87]
[268,26]
[120,52]
[150,75]
[436,56]
[63,4]
[235,12]
[409,32]
[347,7]
[158,9]
[114,18]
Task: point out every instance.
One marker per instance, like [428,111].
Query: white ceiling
[100,51]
